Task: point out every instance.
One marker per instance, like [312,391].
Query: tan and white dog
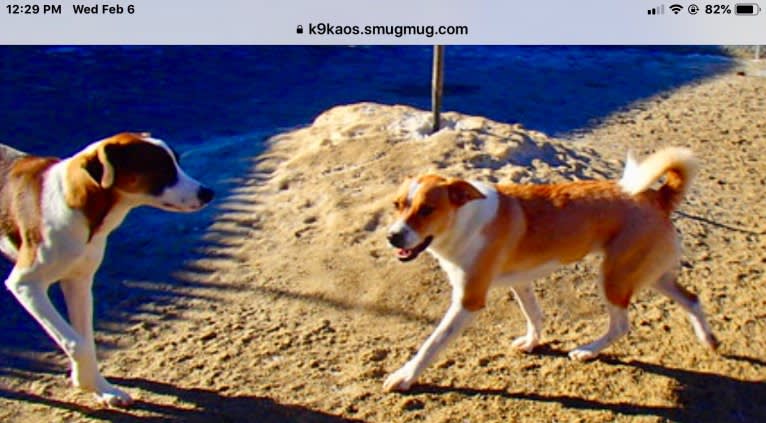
[55,216]
[508,234]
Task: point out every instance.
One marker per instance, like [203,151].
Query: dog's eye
[425,211]
[398,204]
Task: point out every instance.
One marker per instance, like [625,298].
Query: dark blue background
[55,98]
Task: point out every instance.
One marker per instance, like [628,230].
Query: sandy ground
[296,309]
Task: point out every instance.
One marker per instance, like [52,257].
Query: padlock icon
[299,30]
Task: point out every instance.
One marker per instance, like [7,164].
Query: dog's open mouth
[176,208]
[407,254]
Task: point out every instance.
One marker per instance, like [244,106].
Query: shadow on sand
[702,396]
[203,406]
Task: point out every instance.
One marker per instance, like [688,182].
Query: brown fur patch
[461,192]
[560,222]
[85,193]
[670,194]
[430,212]
[8,227]
[22,205]
[139,166]
[567,221]
[479,278]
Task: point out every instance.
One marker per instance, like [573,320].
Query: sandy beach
[292,307]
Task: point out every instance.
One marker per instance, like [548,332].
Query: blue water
[54,99]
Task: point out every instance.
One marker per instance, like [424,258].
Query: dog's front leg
[451,325]
[30,290]
[33,296]
[85,373]
[469,296]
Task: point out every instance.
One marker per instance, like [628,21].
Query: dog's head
[425,210]
[145,171]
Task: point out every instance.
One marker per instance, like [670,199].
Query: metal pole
[437,82]
[758,52]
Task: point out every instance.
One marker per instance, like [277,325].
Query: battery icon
[747,9]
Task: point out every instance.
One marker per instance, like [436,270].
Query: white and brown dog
[55,216]
[508,234]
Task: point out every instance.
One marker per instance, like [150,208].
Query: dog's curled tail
[677,164]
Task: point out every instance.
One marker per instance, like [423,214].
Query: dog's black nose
[205,195]
[396,239]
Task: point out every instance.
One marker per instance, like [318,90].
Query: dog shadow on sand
[701,396]
[203,406]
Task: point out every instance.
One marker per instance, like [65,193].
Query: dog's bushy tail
[678,165]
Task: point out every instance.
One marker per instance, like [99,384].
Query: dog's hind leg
[634,259]
[618,326]
[617,292]
[668,286]
[525,296]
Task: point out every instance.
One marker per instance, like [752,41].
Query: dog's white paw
[525,343]
[400,380]
[105,393]
[583,354]
[114,397]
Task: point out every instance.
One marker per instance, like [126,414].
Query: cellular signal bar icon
[659,10]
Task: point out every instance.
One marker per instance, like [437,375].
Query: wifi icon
[676,8]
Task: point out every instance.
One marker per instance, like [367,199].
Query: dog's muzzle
[398,239]
[205,195]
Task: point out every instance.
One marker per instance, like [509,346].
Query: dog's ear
[99,168]
[461,192]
